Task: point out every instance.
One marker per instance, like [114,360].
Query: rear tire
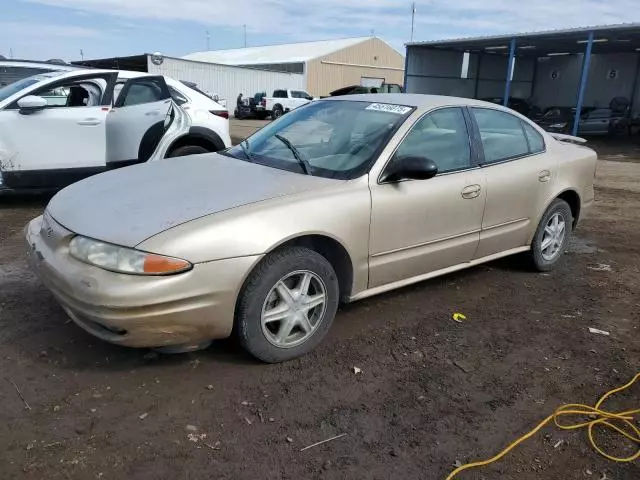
[552,236]
[274,319]
[188,150]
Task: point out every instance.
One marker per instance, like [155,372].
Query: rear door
[138,121]
[519,177]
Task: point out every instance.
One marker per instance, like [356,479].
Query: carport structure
[575,67]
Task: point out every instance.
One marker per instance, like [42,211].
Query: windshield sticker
[387,107]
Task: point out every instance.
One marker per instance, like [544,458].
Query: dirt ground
[432,392]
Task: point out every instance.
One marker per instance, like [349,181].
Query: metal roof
[270,54]
[617,38]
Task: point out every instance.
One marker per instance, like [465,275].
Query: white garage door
[371,82]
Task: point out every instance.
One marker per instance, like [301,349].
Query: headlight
[124,260]
[558,125]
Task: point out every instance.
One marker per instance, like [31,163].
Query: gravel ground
[431,392]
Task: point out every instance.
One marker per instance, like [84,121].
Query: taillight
[263,102]
[221,113]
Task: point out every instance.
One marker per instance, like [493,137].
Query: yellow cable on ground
[596,415]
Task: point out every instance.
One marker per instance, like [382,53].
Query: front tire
[287,305]
[552,236]
[277,112]
[188,150]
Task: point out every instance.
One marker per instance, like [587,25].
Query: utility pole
[413,18]
[81,55]
[208,40]
[11,53]
[245,35]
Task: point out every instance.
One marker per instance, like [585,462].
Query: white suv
[61,126]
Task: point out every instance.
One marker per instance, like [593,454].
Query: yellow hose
[625,427]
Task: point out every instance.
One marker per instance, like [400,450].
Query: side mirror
[410,168]
[31,104]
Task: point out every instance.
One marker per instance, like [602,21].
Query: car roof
[55,67]
[413,100]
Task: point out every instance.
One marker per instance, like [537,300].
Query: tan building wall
[372,58]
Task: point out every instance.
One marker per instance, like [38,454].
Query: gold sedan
[338,200]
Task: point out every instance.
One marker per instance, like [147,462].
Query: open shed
[571,68]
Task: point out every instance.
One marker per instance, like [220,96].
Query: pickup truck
[284,101]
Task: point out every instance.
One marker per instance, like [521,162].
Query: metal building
[575,67]
[326,65]
[225,81]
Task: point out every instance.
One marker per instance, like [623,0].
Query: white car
[284,101]
[61,126]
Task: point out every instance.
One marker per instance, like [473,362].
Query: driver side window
[440,136]
[70,94]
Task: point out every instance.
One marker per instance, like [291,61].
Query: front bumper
[134,310]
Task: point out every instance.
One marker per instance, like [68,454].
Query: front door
[142,113]
[62,142]
[519,176]
[422,226]
[298,98]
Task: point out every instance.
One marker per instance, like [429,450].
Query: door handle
[89,121]
[544,176]
[471,191]
[153,113]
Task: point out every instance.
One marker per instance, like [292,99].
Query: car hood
[129,205]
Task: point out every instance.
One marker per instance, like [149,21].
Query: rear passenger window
[502,135]
[440,136]
[177,97]
[536,142]
[142,92]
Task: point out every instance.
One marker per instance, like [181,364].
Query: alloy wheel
[294,309]
[553,237]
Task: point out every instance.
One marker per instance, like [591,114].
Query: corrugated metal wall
[555,84]
[371,58]
[224,80]
[438,72]
[557,79]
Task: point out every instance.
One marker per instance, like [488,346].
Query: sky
[45,29]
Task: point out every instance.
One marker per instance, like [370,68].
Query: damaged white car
[59,127]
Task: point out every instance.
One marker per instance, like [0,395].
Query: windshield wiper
[244,145]
[304,164]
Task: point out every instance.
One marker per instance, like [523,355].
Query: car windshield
[332,139]
[15,87]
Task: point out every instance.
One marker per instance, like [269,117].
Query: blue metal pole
[507,86]
[406,65]
[583,84]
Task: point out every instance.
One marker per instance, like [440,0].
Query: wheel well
[334,252]
[278,105]
[573,199]
[196,140]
